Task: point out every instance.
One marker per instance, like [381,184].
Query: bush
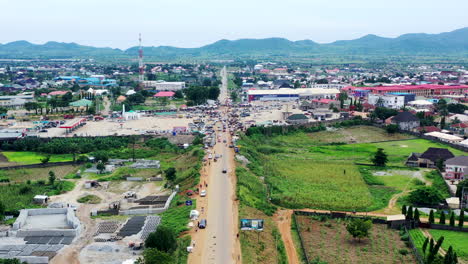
[403,252]
[164,239]
[426,196]
[25,190]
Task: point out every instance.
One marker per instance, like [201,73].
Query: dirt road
[283,220]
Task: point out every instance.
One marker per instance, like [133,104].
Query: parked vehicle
[202,224]
[203,193]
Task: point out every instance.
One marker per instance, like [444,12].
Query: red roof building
[419,90]
[164,94]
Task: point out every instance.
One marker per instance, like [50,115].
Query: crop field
[329,241]
[27,157]
[458,240]
[302,170]
[323,186]
[418,238]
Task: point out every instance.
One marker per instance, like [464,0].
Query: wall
[149,210]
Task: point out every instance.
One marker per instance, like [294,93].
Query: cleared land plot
[358,134]
[27,157]
[458,240]
[331,242]
[22,175]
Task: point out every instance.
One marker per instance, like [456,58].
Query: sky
[194,23]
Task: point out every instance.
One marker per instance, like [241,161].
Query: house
[405,121]
[460,128]
[41,199]
[431,156]
[456,168]
[413,160]
[305,106]
[445,137]
[297,119]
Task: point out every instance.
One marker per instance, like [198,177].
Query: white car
[203,193]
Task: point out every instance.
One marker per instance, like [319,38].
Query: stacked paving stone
[151,223]
[107,227]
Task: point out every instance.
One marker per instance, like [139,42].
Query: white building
[387,100]
[164,86]
[287,94]
[338,86]
[15,101]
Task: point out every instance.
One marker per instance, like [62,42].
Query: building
[338,86]
[405,121]
[164,94]
[287,94]
[297,119]
[456,168]
[387,100]
[15,101]
[418,90]
[164,86]
[429,158]
[445,137]
[421,105]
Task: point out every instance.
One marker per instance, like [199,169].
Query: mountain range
[454,43]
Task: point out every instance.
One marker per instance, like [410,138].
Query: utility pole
[141,67]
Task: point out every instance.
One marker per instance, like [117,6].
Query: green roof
[82,102]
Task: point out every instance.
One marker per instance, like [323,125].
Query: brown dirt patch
[330,241]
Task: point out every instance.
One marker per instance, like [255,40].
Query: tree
[403,210]
[440,165]
[425,196]
[359,228]
[101,155]
[392,128]
[380,158]
[424,247]
[52,177]
[416,215]
[409,214]
[154,256]
[45,159]
[178,94]
[450,256]
[431,217]
[213,93]
[442,218]
[342,97]
[170,174]
[452,219]
[164,239]
[441,107]
[100,167]
[442,122]
[461,219]
[73,148]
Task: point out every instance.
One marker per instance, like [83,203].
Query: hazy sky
[193,23]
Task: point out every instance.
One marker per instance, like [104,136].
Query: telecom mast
[141,67]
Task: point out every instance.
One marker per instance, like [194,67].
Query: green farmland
[27,157]
[458,240]
[307,170]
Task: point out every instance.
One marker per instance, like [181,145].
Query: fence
[448,227]
[298,226]
[415,250]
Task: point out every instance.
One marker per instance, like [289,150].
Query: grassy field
[358,134]
[22,175]
[330,242]
[27,157]
[89,199]
[458,240]
[305,170]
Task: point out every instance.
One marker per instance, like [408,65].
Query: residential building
[456,168]
[296,119]
[387,100]
[429,158]
[405,121]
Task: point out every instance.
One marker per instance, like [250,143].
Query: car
[203,193]
[224,170]
[202,224]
